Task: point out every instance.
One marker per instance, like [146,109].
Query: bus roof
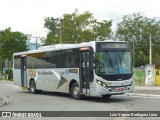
[62,47]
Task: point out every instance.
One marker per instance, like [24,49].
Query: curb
[3,101]
[143,95]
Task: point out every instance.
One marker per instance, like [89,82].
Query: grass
[139,76]
[6,79]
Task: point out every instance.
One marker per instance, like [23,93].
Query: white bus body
[93,68]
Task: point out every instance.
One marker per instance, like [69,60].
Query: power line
[112,6]
[142,12]
[123,7]
[131,5]
[116,19]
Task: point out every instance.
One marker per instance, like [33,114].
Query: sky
[27,16]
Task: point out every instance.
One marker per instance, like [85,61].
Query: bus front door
[23,72]
[85,72]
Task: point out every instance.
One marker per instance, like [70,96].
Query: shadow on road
[112,99]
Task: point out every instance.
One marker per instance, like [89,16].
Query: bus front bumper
[113,90]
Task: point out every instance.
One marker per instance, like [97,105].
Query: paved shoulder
[3,101]
[146,91]
[154,90]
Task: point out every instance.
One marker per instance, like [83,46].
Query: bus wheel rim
[32,87]
[76,91]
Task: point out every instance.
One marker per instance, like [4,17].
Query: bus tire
[33,87]
[106,96]
[75,91]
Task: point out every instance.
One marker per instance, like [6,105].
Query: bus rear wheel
[33,87]
[75,91]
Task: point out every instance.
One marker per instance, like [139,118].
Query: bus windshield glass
[113,62]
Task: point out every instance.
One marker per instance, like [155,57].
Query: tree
[102,29]
[11,42]
[53,26]
[157,62]
[76,28]
[137,30]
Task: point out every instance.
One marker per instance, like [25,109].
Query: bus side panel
[53,79]
[45,80]
[66,75]
[17,77]
[36,74]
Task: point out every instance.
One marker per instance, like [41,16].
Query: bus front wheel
[75,91]
[106,96]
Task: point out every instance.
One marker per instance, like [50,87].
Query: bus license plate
[120,89]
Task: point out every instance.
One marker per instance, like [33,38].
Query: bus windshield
[113,62]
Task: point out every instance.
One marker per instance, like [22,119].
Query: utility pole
[134,40]
[60,31]
[36,41]
[28,40]
[133,52]
[150,49]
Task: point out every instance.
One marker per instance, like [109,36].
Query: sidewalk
[147,87]
[147,91]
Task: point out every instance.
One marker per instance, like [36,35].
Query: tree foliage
[76,28]
[83,27]
[137,30]
[11,42]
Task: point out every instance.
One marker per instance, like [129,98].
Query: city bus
[95,68]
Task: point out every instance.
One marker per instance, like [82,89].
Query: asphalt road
[20,100]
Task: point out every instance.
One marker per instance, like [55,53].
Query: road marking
[10,85]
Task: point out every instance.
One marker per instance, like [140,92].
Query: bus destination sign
[112,45]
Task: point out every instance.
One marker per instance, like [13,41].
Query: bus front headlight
[101,83]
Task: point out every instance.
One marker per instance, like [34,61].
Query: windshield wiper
[120,60]
[110,60]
